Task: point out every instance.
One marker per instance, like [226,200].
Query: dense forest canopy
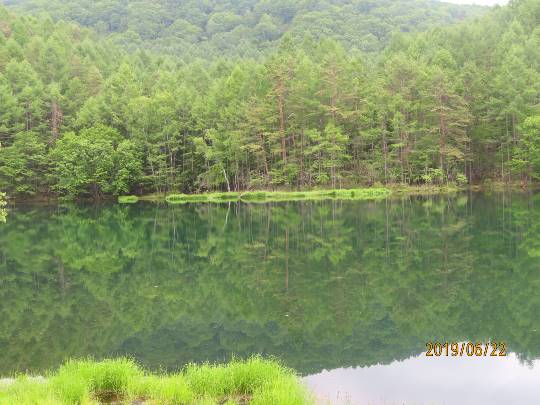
[82,116]
[248,28]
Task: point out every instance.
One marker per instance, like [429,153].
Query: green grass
[208,197]
[373,193]
[269,196]
[128,199]
[153,197]
[425,189]
[255,381]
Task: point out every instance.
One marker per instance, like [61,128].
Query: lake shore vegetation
[269,196]
[255,381]
[83,116]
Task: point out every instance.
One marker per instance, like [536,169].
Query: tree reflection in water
[321,285]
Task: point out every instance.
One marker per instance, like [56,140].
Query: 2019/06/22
[469,349]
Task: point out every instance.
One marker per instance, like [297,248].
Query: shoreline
[262,196]
[267,196]
[360,193]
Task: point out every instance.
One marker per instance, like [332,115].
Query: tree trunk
[281,106]
[442,138]
[385,150]
[266,171]
[302,158]
[226,179]
[56,121]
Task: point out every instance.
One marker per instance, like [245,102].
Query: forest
[97,102]
[247,28]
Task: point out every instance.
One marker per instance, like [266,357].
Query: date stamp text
[469,349]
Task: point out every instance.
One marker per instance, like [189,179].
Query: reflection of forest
[319,284]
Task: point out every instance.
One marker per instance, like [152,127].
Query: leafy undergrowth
[269,196]
[122,381]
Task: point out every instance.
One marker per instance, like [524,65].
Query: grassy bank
[374,193]
[128,199]
[271,196]
[406,190]
[255,381]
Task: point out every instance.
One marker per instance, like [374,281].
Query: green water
[321,285]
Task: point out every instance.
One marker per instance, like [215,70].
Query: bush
[128,199]
[461,179]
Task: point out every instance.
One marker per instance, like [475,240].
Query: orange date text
[469,349]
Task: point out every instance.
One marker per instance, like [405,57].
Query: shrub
[128,199]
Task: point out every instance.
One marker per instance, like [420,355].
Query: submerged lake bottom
[348,293]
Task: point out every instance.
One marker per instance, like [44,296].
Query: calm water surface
[347,293]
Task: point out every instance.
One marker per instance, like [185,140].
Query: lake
[346,292]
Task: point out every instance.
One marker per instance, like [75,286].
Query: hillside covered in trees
[248,28]
[82,116]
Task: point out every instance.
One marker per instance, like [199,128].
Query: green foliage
[128,199]
[3,203]
[247,28]
[269,196]
[167,390]
[28,391]
[3,213]
[222,152]
[461,179]
[434,176]
[526,153]
[91,163]
[82,117]
[78,380]
[86,382]
[23,166]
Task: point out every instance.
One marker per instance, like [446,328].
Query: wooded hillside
[248,28]
[81,116]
